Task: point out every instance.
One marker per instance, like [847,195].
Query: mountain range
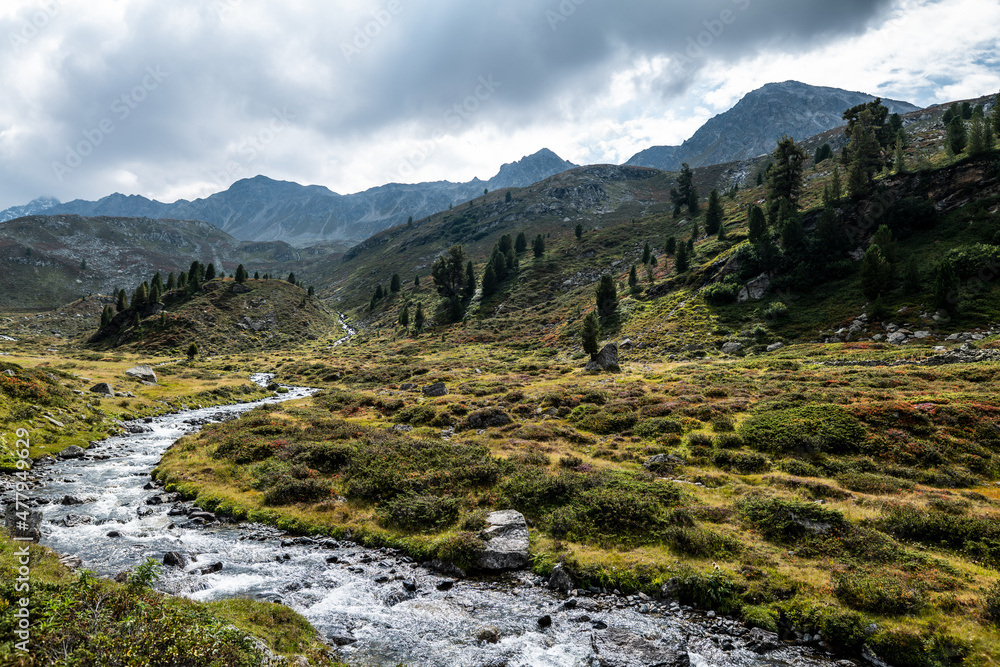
[263,209]
[758,122]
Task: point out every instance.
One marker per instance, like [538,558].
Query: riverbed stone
[616,647]
[72,452]
[214,567]
[762,641]
[28,525]
[142,372]
[175,559]
[506,541]
[560,580]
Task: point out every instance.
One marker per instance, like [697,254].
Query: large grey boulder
[143,372]
[606,360]
[560,580]
[72,452]
[28,525]
[506,541]
[436,389]
[616,647]
[103,388]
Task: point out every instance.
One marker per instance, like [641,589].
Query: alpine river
[377,607]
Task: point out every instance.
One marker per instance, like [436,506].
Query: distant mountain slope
[758,121]
[47,261]
[263,209]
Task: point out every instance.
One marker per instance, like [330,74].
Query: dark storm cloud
[182,83]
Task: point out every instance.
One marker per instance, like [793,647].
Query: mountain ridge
[791,108]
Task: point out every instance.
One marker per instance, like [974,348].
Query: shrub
[864,482]
[789,520]
[488,418]
[723,425]
[720,294]
[799,468]
[570,461]
[904,648]
[716,590]
[728,441]
[462,549]
[430,513]
[288,489]
[878,594]
[415,415]
[650,428]
[760,616]
[991,604]
[817,428]
[747,463]
[699,440]
[531,457]
[604,421]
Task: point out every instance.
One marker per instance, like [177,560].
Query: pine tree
[830,233]
[784,182]
[757,224]
[470,280]
[291,278]
[900,157]
[957,137]
[83,264]
[171,281]
[836,186]
[995,116]
[980,136]
[633,279]
[489,281]
[686,194]
[409,221]
[952,113]
[912,280]
[647,252]
[966,111]
[192,351]
[155,292]
[379,294]
[418,319]
[210,272]
[404,316]
[311,291]
[714,213]
[591,334]
[140,296]
[883,239]
[122,301]
[579,230]
[863,155]
[671,246]
[395,284]
[256,275]
[107,315]
[760,178]
[507,197]
[241,274]
[416,281]
[182,280]
[607,297]
[823,153]
[538,247]
[792,235]
[681,262]
[946,285]
[695,233]
[521,244]
[449,273]
[876,272]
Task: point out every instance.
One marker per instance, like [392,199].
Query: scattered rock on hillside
[732,347]
[143,372]
[488,418]
[436,389]
[755,289]
[663,463]
[506,541]
[103,388]
[606,360]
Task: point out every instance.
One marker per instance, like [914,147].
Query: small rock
[488,634]
[143,372]
[103,388]
[445,585]
[214,567]
[72,452]
[545,621]
[560,580]
[175,559]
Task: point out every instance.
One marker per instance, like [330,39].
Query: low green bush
[651,428]
[788,521]
[746,463]
[807,429]
[864,482]
[905,648]
[427,513]
[760,616]
[878,594]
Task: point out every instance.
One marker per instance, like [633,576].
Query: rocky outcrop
[434,390]
[606,360]
[755,289]
[103,388]
[506,542]
[144,373]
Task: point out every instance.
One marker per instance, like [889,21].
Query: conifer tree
[966,111]
[241,274]
[946,285]
[449,273]
[607,297]
[140,296]
[579,230]
[291,278]
[830,233]
[980,136]
[784,182]
[171,281]
[107,315]
[957,136]
[256,275]
[489,281]
[646,253]
[122,302]
[863,155]
[470,280]
[714,214]
[395,284]
[671,246]
[995,116]
[418,319]
[182,280]
[912,280]
[311,291]
[876,272]
[192,351]
[633,279]
[210,272]
[521,244]
[687,193]
[416,281]
[538,247]
[681,262]
[591,334]
[900,157]
[757,224]
[404,316]
[378,293]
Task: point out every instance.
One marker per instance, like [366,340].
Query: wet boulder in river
[506,541]
[175,559]
[616,647]
[72,452]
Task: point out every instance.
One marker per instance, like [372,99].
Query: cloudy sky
[179,99]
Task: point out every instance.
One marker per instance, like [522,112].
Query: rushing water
[357,597]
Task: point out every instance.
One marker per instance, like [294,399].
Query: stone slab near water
[506,541]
